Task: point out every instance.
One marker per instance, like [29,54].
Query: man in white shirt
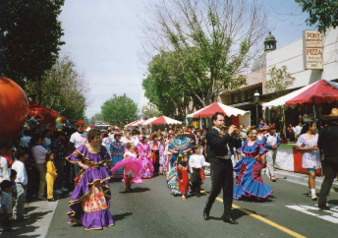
[76,140]
[4,170]
[127,137]
[20,183]
[298,129]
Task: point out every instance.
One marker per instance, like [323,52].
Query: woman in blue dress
[117,152]
[178,145]
[249,182]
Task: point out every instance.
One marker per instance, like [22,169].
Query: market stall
[237,116]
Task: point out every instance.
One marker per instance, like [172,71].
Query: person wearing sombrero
[327,143]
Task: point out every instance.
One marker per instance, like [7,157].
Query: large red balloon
[13,110]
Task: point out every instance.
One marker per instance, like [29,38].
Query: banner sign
[313,50]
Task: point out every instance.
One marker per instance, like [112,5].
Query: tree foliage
[202,49]
[119,110]
[280,80]
[322,13]
[30,35]
[150,110]
[96,117]
[62,89]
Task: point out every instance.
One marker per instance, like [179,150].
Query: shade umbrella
[139,123]
[147,122]
[164,120]
[43,112]
[323,91]
[131,123]
[210,110]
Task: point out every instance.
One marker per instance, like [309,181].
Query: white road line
[331,215]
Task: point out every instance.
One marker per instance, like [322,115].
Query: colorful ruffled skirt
[249,182]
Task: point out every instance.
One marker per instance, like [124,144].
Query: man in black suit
[219,154]
[327,143]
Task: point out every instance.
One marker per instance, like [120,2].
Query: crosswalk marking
[331,215]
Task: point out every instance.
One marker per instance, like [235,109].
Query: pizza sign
[313,50]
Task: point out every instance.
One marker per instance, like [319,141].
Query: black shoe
[326,208]
[206,215]
[51,200]
[230,220]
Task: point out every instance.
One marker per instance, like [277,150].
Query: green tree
[96,117]
[30,35]
[206,46]
[280,80]
[119,110]
[62,89]
[150,110]
[322,13]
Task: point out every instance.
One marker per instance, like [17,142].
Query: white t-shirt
[298,130]
[4,170]
[78,139]
[6,200]
[197,162]
[39,154]
[21,176]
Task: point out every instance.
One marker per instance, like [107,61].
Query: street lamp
[256,97]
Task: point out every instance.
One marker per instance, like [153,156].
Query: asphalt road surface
[150,211]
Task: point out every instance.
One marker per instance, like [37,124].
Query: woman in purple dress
[144,153]
[249,182]
[89,203]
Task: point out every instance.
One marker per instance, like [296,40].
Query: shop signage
[313,50]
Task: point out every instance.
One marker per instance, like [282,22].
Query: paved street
[150,211]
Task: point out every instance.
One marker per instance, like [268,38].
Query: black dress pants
[196,181]
[330,169]
[221,178]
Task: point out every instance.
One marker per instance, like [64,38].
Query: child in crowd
[162,156]
[6,205]
[50,175]
[197,163]
[21,184]
[129,152]
[183,174]
[14,192]
[132,166]
[154,146]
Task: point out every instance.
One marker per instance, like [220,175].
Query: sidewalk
[302,179]
[38,217]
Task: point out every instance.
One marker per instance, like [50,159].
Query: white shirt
[298,130]
[6,200]
[197,162]
[78,139]
[21,176]
[24,141]
[4,170]
[39,154]
[125,140]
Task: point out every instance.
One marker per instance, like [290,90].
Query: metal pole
[257,114]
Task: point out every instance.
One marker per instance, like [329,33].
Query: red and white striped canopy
[164,120]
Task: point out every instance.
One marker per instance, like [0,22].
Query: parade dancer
[117,152]
[155,154]
[89,203]
[249,182]
[143,149]
[132,167]
[183,174]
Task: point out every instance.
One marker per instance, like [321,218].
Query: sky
[104,40]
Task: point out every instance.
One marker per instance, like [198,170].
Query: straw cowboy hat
[332,116]
[154,134]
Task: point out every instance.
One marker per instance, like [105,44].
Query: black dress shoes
[206,215]
[324,208]
[230,220]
